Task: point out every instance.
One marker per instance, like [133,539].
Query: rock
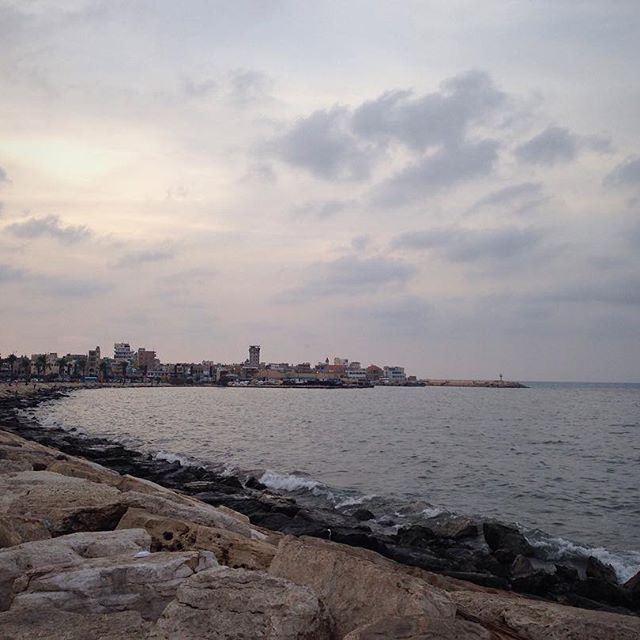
[238,604]
[506,542]
[193,511]
[454,527]
[419,628]
[105,585]
[363,515]
[357,585]
[600,571]
[67,550]
[27,623]
[77,468]
[64,504]
[536,620]
[230,548]
[633,588]
[15,529]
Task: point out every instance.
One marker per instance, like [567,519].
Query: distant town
[128,365]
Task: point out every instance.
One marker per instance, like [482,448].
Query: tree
[25,365]
[12,361]
[41,364]
[104,370]
[61,362]
[82,363]
[145,368]
[124,365]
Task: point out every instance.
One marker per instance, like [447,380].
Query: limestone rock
[233,603]
[27,623]
[65,551]
[536,620]
[105,585]
[419,628]
[357,585]
[230,548]
[15,529]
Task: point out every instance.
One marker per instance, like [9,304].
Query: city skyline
[450,189]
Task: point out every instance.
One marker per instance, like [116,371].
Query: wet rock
[506,542]
[357,585]
[632,586]
[106,585]
[536,620]
[600,571]
[237,604]
[362,515]
[419,628]
[454,527]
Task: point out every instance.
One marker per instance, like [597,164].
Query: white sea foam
[625,563]
[353,501]
[172,457]
[287,481]
[432,512]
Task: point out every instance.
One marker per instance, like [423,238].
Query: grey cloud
[3,176]
[323,145]
[71,287]
[361,242]
[432,119]
[443,168]
[325,209]
[406,316]
[200,88]
[512,194]
[11,274]
[247,85]
[351,275]
[558,144]
[144,256]
[49,226]
[469,245]
[626,174]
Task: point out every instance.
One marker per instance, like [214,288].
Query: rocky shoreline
[486,560]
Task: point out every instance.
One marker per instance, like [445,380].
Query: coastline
[452,545]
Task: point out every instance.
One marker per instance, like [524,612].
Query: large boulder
[506,542]
[140,582]
[357,585]
[67,550]
[64,504]
[419,628]
[234,603]
[537,620]
[171,534]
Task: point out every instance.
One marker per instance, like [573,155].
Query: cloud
[200,88]
[361,242]
[471,245]
[350,275]
[511,194]
[145,256]
[248,86]
[446,167]
[626,174]
[433,119]
[11,274]
[326,209]
[49,226]
[323,145]
[401,317]
[558,144]
[3,176]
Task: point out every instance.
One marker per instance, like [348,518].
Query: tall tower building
[254,355]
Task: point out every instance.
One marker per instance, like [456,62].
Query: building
[123,351]
[254,356]
[341,362]
[146,360]
[93,362]
[394,375]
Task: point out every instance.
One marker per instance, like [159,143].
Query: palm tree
[104,370]
[145,368]
[25,365]
[11,360]
[41,364]
[61,362]
[82,363]
[125,365]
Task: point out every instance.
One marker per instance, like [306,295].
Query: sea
[561,460]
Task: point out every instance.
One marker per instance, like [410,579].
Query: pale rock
[106,585]
[357,585]
[235,604]
[15,529]
[537,620]
[230,548]
[419,628]
[67,550]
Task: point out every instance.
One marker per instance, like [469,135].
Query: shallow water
[562,458]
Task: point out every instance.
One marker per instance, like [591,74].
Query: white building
[394,375]
[123,351]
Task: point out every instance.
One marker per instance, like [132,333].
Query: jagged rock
[419,628]
[29,623]
[64,504]
[195,511]
[15,529]
[238,604]
[362,515]
[536,620]
[67,550]
[230,548]
[104,585]
[506,542]
[357,585]
[454,527]
[601,571]
[77,468]
[632,586]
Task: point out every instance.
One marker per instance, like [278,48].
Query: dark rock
[253,483]
[415,536]
[506,542]
[601,571]
[363,515]
[455,527]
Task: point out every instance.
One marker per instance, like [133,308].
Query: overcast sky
[449,186]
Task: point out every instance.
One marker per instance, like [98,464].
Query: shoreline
[485,552]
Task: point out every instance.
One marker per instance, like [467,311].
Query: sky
[449,186]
